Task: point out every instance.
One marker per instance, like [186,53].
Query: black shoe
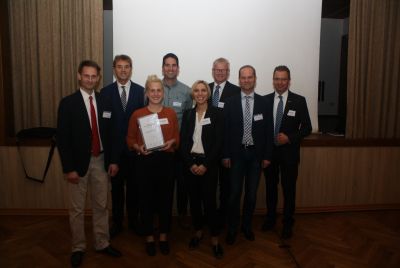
[110,251]
[151,248]
[164,247]
[115,230]
[286,232]
[268,225]
[218,251]
[195,242]
[248,234]
[76,258]
[230,238]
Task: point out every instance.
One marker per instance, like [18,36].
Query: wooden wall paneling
[330,178]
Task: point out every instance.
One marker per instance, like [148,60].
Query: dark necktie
[247,136]
[95,132]
[215,98]
[278,118]
[123,98]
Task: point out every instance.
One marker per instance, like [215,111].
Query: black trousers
[286,172]
[202,196]
[182,199]
[224,190]
[124,188]
[156,186]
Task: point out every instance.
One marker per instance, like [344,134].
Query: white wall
[263,33]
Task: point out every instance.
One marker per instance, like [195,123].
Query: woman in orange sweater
[154,168]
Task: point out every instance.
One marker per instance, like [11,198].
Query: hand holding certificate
[151,132]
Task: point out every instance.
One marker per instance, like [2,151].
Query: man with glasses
[222,89]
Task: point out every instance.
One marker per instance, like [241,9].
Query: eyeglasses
[281,79]
[220,71]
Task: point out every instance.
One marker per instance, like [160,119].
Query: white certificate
[151,132]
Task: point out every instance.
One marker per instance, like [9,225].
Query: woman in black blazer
[201,140]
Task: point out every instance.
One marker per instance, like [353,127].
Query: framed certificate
[151,132]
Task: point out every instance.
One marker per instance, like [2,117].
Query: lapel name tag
[258,117]
[177,104]
[205,121]
[221,104]
[163,121]
[106,114]
[291,113]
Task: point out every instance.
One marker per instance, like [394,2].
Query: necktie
[278,118]
[123,98]
[247,137]
[95,132]
[215,97]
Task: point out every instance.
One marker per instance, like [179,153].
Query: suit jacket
[262,130]
[211,135]
[74,133]
[135,101]
[295,127]
[229,91]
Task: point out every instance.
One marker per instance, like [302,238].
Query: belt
[197,155]
[248,146]
[99,153]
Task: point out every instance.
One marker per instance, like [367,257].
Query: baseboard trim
[260,211]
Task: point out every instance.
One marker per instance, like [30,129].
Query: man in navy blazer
[295,125]
[221,90]
[126,97]
[247,149]
[89,153]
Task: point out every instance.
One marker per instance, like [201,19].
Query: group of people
[216,136]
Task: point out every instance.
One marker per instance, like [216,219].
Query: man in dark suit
[222,89]
[247,149]
[89,155]
[291,124]
[126,97]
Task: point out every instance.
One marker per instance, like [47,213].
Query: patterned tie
[123,98]
[247,136]
[215,97]
[95,132]
[278,118]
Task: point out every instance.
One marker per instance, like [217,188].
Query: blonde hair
[153,79]
[198,82]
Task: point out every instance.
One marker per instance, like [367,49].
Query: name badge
[258,117]
[205,121]
[106,114]
[291,113]
[163,121]
[177,104]
[221,104]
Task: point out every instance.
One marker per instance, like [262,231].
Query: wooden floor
[351,239]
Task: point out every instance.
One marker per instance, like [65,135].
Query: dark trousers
[124,187]
[287,174]
[182,199]
[246,168]
[224,188]
[202,196]
[156,186]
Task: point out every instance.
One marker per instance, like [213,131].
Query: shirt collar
[284,95]
[85,95]
[242,94]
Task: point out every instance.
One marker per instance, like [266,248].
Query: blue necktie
[278,118]
[215,97]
